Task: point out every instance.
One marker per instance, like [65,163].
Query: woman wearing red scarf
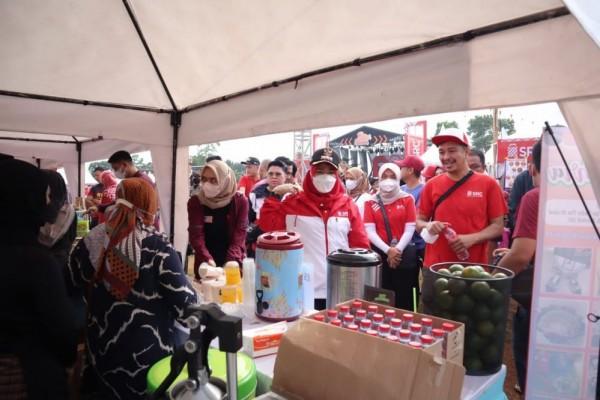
[324,215]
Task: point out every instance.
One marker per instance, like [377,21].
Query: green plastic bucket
[247,380]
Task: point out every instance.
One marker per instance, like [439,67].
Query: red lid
[373,308]
[377,317]
[353,327]
[371,332]
[393,338]
[438,333]
[348,318]
[408,317]
[344,309]
[426,339]
[332,313]
[426,321]
[319,317]
[416,345]
[361,313]
[404,333]
[365,323]
[396,322]
[356,304]
[279,240]
[416,328]
[448,327]
[336,322]
[390,313]
[384,328]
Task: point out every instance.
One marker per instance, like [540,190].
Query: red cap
[438,333]
[353,327]
[413,162]
[336,322]
[448,327]
[331,313]
[426,339]
[356,304]
[348,318]
[384,328]
[319,317]
[377,317]
[415,328]
[390,313]
[344,309]
[426,321]
[408,317]
[393,338]
[373,308]
[361,312]
[396,322]
[416,345]
[365,323]
[451,135]
[371,332]
[429,172]
[404,333]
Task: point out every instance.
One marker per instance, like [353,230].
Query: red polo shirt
[399,213]
[469,209]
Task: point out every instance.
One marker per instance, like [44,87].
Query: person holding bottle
[471,205]
[390,223]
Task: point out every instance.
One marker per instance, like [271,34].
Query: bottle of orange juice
[233,278]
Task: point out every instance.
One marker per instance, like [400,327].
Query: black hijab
[23,202]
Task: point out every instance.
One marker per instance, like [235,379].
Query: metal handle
[232,385]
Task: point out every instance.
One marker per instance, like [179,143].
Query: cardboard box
[321,361]
[263,340]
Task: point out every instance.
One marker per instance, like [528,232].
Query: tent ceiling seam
[453,39]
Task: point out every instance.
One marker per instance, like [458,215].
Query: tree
[444,125]
[203,153]
[481,133]
[102,164]
[237,167]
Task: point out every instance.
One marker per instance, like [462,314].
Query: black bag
[409,254]
[522,286]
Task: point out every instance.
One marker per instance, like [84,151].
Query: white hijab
[396,193]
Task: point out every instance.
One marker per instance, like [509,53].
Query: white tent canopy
[165,74]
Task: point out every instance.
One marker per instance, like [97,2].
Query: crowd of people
[124,289]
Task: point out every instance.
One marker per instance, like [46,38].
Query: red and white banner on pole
[415,138]
[509,149]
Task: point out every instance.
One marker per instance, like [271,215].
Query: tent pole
[175,123]
[78,147]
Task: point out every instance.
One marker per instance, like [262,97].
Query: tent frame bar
[51,141]
[448,40]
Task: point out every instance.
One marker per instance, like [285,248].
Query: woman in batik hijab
[136,288]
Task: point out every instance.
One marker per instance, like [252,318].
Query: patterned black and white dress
[125,338]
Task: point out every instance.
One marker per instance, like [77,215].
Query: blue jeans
[521,344]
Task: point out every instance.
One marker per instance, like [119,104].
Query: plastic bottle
[372,310]
[360,315]
[372,332]
[427,325]
[407,320]
[438,335]
[348,320]
[384,330]
[319,317]
[389,314]
[415,332]
[447,327]
[393,338]
[308,290]
[343,311]
[336,322]
[249,286]
[331,315]
[451,236]
[416,345]
[396,325]
[377,320]
[365,325]
[233,279]
[404,336]
[426,340]
[353,327]
[356,305]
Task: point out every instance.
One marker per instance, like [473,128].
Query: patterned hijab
[361,180]
[226,182]
[134,210]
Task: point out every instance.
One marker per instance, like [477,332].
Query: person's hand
[211,263]
[287,188]
[394,257]
[501,252]
[436,227]
[92,209]
[463,242]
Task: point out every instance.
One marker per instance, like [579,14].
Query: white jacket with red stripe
[321,230]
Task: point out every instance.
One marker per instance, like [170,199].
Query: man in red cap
[470,204]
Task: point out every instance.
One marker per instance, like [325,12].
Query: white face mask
[210,190]
[388,185]
[351,184]
[324,182]
[120,174]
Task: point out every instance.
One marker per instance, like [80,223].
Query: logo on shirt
[471,193]
[342,214]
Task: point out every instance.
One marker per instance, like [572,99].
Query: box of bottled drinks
[361,349]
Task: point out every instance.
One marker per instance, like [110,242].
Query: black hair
[277,163]
[120,156]
[212,158]
[536,155]
[478,153]
[101,169]
[417,173]
[288,162]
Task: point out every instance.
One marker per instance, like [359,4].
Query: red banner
[415,138]
[515,148]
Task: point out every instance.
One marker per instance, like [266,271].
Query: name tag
[208,219]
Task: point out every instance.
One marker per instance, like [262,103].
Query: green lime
[440,285]
[478,268]
[485,275]
[457,286]
[485,328]
[463,304]
[481,312]
[444,271]
[499,275]
[471,272]
[498,315]
[456,267]
[457,273]
[480,290]
[473,364]
[445,300]
[474,342]
[490,354]
[495,298]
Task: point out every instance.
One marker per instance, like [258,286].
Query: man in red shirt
[247,182]
[475,210]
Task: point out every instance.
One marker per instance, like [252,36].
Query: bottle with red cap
[377,320]
[365,325]
[404,336]
[384,330]
[388,315]
[360,315]
[407,320]
[447,327]
[372,332]
[336,322]
[427,340]
[416,345]
[396,325]
[427,325]
[353,327]
[331,315]
[348,320]
[451,236]
[343,311]
[393,338]
[372,310]
[319,317]
[415,332]
[438,334]
[355,306]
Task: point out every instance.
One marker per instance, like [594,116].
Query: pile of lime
[480,305]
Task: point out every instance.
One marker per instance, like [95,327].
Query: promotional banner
[415,138]
[514,148]
[563,343]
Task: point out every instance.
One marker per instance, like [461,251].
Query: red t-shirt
[247,182]
[469,209]
[399,213]
[527,215]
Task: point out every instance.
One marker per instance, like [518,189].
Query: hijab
[226,183]
[323,200]
[59,207]
[397,193]
[362,183]
[126,227]
[24,198]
